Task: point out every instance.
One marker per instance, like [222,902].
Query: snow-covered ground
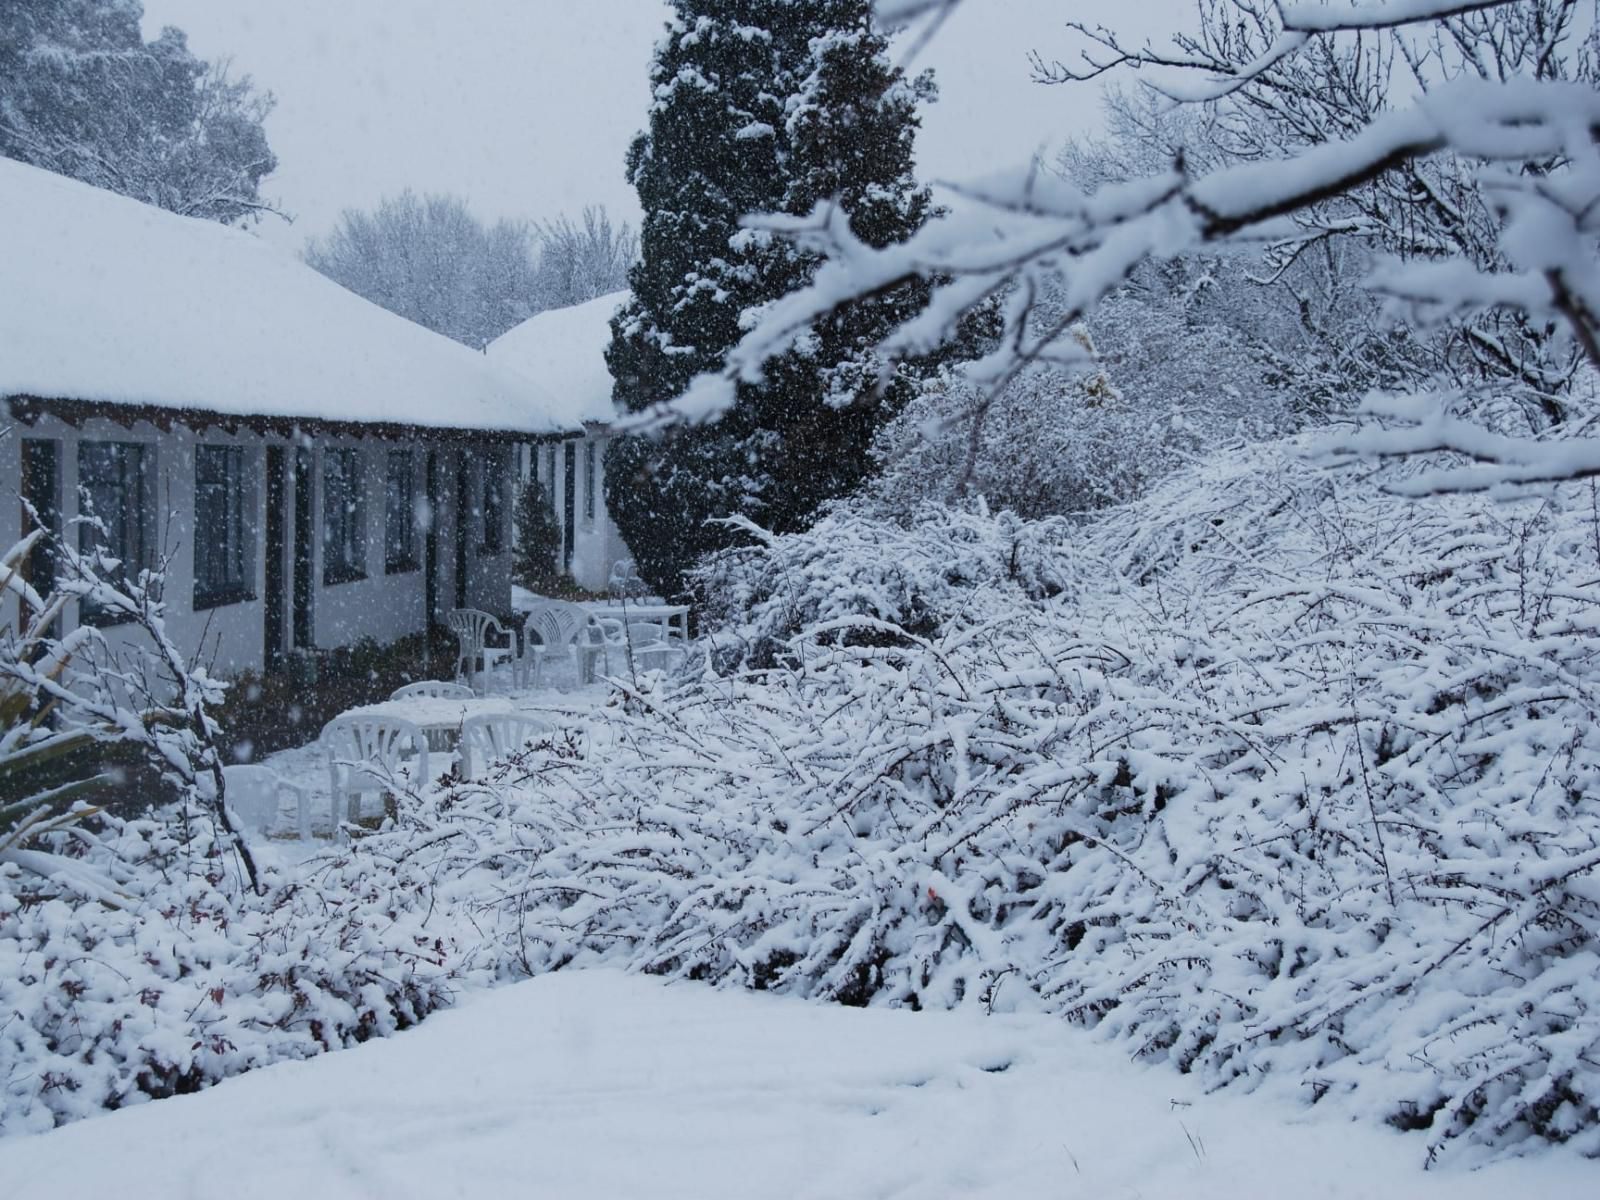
[598,1084]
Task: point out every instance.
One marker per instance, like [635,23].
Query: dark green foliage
[262,714]
[761,106]
[83,94]
[533,559]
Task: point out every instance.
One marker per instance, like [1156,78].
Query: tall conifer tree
[759,106]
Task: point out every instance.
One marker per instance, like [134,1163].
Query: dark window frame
[127,511]
[590,471]
[227,540]
[344,516]
[492,505]
[400,514]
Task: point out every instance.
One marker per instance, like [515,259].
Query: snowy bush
[1290,780]
[1274,776]
[870,577]
[142,957]
[189,980]
[1057,440]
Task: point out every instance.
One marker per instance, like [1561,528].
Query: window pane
[111,480]
[343,519]
[220,549]
[588,480]
[493,506]
[399,503]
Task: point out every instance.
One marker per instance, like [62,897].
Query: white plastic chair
[472,628]
[555,630]
[367,754]
[254,794]
[492,736]
[624,580]
[433,689]
[651,646]
[640,645]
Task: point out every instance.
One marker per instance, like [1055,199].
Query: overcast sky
[526,107]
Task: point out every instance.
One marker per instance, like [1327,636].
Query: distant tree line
[429,259]
[84,95]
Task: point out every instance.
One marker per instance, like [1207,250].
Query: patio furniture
[473,628]
[555,629]
[368,754]
[624,579]
[441,740]
[433,689]
[643,644]
[492,736]
[674,616]
[651,647]
[254,795]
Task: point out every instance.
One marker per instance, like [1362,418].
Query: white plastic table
[438,717]
[674,616]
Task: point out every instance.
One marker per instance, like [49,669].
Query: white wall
[232,636]
[229,637]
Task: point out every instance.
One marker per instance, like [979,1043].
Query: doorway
[302,549]
[430,542]
[276,548]
[463,525]
[41,489]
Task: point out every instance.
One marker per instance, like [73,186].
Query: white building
[314,470]
[563,351]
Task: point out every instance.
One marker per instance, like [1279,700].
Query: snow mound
[595,1084]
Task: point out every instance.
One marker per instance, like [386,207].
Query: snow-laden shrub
[948,564]
[1293,781]
[1056,440]
[142,956]
[190,979]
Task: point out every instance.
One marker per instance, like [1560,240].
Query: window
[41,497]
[221,554]
[400,514]
[111,478]
[588,479]
[494,504]
[343,517]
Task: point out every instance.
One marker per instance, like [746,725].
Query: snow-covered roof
[105,299]
[563,350]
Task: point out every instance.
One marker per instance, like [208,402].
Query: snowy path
[598,1085]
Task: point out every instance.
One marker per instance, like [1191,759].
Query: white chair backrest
[252,794]
[374,746]
[490,736]
[471,626]
[556,624]
[437,689]
[645,633]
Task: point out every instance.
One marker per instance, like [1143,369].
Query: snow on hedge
[1284,777]
[1274,776]
[191,980]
